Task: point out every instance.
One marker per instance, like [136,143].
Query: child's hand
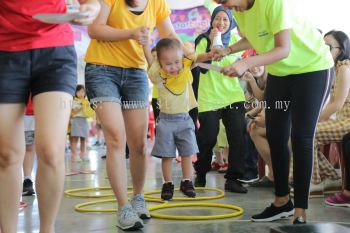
[141,35]
[91,8]
[248,77]
[260,120]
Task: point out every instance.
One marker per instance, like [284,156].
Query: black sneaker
[273,213]
[167,191]
[299,220]
[28,188]
[262,183]
[235,186]
[200,181]
[186,186]
[249,177]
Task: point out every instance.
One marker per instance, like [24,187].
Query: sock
[168,182]
[28,178]
[186,179]
[139,195]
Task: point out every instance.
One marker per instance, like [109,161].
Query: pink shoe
[338,199]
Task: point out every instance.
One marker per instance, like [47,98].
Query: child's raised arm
[148,55]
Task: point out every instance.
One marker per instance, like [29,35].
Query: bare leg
[11,159]
[111,118]
[73,148]
[29,158]
[51,121]
[83,148]
[136,124]
[258,136]
[186,165]
[166,169]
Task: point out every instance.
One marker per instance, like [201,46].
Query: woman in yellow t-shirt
[298,63]
[117,87]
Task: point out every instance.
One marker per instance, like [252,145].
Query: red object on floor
[151,123]
[22,205]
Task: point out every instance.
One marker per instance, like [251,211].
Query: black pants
[233,119]
[346,154]
[293,107]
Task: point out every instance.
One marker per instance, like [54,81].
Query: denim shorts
[37,71]
[125,86]
[174,131]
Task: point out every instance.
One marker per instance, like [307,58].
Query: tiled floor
[71,221]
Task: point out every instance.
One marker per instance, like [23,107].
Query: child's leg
[51,121]
[29,158]
[12,150]
[82,148]
[186,165]
[73,148]
[167,169]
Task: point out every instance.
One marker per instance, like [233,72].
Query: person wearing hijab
[220,97]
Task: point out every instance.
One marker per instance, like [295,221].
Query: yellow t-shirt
[308,51]
[175,93]
[126,53]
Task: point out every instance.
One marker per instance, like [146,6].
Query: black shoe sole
[136,227]
[145,216]
[28,193]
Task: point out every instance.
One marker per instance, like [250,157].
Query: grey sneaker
[128,219]
[139,205]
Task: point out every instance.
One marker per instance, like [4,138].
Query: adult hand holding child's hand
[141,35]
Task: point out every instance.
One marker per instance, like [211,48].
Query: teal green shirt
[215,89]
[266,18]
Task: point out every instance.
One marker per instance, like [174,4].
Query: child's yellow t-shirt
[175,93]
[126,53]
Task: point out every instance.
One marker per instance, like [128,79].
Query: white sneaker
[128,218]
[139,205]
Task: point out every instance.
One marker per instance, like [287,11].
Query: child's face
[221,22]
[257,71]
[81,93]
[171,60]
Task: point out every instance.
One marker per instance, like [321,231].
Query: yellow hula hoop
[239,211]
[71,192]
[220,195]
[79,207]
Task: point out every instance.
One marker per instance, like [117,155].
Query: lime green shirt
[216,90]
[266,18]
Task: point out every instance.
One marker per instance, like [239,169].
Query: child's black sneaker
[186,186]
[28,189]
[273,213]
[167,191]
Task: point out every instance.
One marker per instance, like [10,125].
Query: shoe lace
[127,214]
[139,203]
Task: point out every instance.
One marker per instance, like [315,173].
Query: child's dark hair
[153,50]
[166,43]
[130,3]
[78,88]
[344,44]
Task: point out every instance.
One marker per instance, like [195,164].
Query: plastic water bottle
[217,42]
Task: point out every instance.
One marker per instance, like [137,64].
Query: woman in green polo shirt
[298,63]
[220,97]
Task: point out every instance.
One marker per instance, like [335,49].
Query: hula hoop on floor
[221,194]
[79,207]
[239,211]
[72,192]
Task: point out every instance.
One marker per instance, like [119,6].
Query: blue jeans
[125,86]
